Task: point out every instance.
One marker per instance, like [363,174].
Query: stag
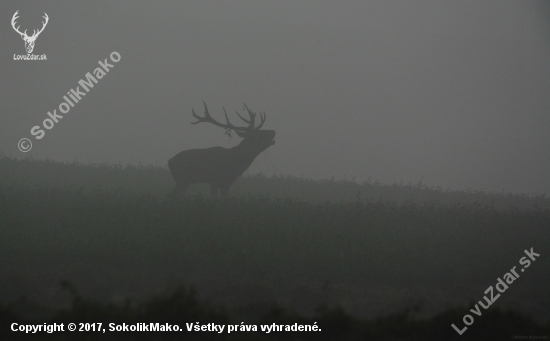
[219,166]
[29,41]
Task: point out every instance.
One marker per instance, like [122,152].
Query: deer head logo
[218,166]
[29,41]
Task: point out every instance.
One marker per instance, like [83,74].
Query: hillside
[156,180]
[371,249]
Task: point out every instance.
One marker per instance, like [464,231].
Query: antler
[13,19]
[228,124]
[210,119]
[35,33]
[252,120]
[44,23]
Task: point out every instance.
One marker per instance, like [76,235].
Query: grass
[367,250]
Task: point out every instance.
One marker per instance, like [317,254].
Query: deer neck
[245,153]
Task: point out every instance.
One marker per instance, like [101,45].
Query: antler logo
[29,41]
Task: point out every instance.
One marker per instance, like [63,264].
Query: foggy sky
[454,93]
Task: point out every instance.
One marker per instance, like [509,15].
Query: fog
[453,94]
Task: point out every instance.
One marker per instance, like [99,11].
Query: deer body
[219,166]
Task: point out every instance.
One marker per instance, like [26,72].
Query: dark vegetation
[335,324]
[355,258]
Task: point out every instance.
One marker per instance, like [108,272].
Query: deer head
[29,41]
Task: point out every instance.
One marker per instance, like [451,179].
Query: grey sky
[454,92]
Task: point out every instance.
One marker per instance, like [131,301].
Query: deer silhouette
[219,166]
